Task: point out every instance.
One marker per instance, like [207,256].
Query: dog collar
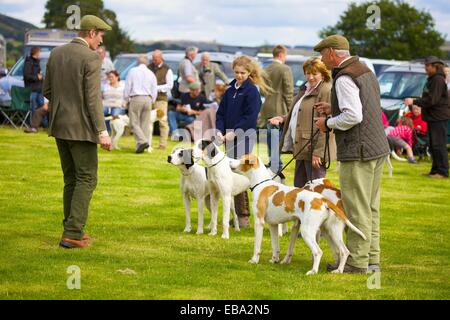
[218,162]
[253,188]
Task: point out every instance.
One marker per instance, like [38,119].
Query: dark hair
[114,72]
[34,50]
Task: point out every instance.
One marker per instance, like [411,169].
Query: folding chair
[20,106]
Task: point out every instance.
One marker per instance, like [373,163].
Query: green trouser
[360,185]
[79,164]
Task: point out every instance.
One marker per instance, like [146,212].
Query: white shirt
[349,103]
[141,81]
[169,82]
[294,116]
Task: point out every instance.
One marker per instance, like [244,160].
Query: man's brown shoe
[162,147]
[72,243]
[86,237]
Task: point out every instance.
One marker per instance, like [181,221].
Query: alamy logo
[73,21]
[374,281]
[74,279]
[373,22]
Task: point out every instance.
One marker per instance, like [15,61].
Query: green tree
[405,33]
[116,40]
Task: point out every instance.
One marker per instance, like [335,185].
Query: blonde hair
[315,64]
[257,75]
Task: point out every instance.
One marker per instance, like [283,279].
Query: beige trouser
[360,185]
[163,122]
[139,114]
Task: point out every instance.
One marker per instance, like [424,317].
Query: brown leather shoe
[86,237]
[72,243]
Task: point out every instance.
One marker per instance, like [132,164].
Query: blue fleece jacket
[239,108]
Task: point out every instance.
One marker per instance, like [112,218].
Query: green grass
[137,218]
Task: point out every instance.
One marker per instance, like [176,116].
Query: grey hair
[142,59]
[191,49]
[205,54]
[342,53]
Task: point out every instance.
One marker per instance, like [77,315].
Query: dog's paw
[209,226]
[225,236]
[311,272]
[200,231]
[286,260]
[237,228]
[274,260]
[337,271]
[187,229]
[253,261]
[212,233]
[150,150]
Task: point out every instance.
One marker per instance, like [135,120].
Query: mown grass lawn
[137,219]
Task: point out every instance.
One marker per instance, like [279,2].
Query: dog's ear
[212,150]
[188,158]
[205,144]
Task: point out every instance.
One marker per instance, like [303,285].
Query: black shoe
[142,147]
[347,268]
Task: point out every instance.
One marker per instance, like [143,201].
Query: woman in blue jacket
[237,115]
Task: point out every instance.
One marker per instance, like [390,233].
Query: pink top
[385,120]
[403,132]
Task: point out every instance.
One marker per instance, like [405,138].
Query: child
[401,137]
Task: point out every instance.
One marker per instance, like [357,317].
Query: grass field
[137,219]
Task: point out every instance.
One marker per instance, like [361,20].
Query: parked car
[396,84]
[381,64]
[15,78]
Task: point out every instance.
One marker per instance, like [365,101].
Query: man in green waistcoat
[72,85]
[362,148]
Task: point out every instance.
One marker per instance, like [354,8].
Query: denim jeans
[107,111]
[274,153]
[178,116]
[36,101]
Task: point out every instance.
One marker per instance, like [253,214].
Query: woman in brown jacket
[297,124]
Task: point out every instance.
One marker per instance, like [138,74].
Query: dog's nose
[169,159]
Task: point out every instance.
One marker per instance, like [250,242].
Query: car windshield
[17,70]
[399,85]
[122,63]
[297,71]
[380,67]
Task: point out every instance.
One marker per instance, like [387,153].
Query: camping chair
[20,106]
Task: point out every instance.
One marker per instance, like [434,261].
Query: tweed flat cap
[335,41]
[90,22]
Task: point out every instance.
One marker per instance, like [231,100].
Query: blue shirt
[239,108]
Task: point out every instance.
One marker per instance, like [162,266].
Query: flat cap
[90,22]
[335,41]
[433,59]
[194,86]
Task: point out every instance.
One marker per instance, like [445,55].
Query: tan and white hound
[311,212]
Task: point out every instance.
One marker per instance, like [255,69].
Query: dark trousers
[437,132]
[79,163]
[303,173]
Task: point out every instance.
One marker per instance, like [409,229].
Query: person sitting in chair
[192,103]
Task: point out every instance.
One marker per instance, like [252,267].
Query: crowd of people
[337,109]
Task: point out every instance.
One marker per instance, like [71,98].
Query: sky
[234,22]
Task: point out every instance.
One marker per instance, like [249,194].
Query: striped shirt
[113,97]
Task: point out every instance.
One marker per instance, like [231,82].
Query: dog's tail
[341,215]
